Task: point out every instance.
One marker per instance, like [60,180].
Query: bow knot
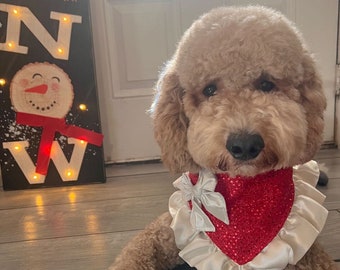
[203,194]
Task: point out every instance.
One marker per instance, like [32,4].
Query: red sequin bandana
[257,209]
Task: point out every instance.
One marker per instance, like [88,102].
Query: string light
[17,147]
[82,141]
[83,107]
[2,82]
[10,44]
[15,11]
[60,50]
[65,19]
[69,173]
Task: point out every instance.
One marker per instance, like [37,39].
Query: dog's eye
[265,86]
[210,90]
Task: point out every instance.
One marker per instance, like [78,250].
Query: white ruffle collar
[190,224]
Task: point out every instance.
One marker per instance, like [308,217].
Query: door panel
[140,36]
[318,23]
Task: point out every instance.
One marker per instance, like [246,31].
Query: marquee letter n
[58,49]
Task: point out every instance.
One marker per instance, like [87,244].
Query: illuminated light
[46,148]
[15,11]
[65,19]
[83,107]
[17,147]
[60,50]
[82,141]
[2,82]
[35,177]
[69,173]
[10,44]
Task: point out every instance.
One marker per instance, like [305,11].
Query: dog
[240,107]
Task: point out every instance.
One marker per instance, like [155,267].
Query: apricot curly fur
[153,248]
[233,48]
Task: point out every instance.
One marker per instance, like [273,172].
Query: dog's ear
[171,123]
[314,102]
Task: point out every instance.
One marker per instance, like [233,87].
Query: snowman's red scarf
[257,208]
[50,126]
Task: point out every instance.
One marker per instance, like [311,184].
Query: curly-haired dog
[239,106]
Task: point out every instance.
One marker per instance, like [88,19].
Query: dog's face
[241,95]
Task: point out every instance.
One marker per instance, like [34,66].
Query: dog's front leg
[152,249]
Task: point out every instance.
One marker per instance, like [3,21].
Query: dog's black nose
[245,146]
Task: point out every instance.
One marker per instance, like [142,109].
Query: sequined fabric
[257,209]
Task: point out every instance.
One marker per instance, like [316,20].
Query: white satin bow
[203,193]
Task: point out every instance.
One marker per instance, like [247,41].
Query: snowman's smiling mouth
[41,108]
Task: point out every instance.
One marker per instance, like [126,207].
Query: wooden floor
[85,227]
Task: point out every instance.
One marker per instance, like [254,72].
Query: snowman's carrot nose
[39,89]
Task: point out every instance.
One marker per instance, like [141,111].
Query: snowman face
[42,89]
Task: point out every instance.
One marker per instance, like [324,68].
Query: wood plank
[330,235]
[327,153]
[331,160]
[115,188]
[332,167]
[80,252]
[80,219]
[134,169]
[332,192]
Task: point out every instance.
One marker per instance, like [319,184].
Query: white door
[133,38]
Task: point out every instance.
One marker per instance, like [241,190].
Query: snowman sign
[50,130]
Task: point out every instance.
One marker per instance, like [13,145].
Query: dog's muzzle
[244,146]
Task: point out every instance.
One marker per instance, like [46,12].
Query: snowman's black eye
[36,75]
[210,90]
[56,78]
